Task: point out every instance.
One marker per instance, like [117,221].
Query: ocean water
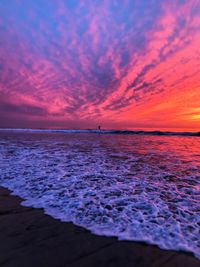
[136,187]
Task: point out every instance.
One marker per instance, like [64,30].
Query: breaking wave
[124,132]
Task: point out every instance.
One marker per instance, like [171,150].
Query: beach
[99,133]
[29,238]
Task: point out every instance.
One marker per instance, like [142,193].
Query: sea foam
[142,188]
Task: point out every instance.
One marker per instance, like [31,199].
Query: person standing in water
[99,127]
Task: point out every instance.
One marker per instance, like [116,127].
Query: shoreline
[28,238]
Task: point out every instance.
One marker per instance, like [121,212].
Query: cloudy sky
[121,64]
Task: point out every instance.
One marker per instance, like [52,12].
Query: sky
[131,64]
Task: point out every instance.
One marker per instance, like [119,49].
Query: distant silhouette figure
[99,127]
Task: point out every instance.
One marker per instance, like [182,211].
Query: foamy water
[138,187]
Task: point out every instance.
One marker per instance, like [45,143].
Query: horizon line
[92,130]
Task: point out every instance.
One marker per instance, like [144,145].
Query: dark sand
[30,238]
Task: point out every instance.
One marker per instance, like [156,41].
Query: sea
[140,186]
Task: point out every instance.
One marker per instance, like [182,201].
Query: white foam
[135,188]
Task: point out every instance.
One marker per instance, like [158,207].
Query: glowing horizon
[121,64]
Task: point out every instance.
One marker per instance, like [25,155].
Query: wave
[141,189]
[92,131]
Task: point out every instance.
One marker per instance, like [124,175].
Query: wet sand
[29,238]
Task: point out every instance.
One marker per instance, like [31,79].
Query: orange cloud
[124,65]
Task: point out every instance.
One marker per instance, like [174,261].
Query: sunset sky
[131,64]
